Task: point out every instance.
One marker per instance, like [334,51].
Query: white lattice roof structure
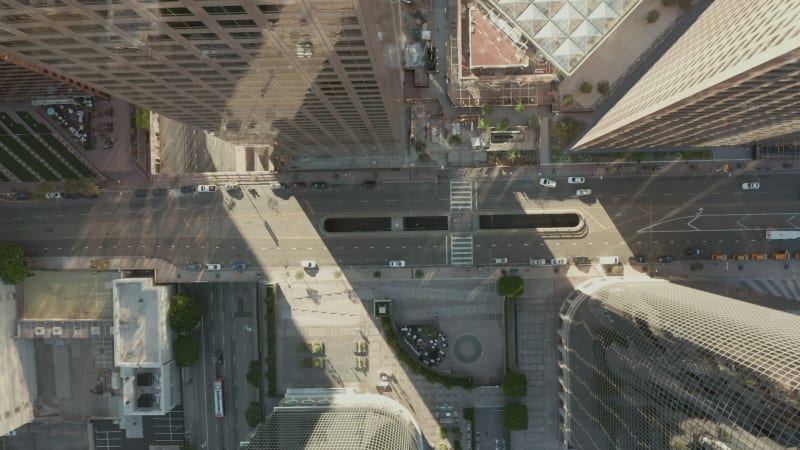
[337,419]
[566,31]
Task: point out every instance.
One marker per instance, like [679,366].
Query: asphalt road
[651,216]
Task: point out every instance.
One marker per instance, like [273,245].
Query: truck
[775,235]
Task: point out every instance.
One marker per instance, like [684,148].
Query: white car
[576,180]
[583,192]
[559,261]
[499,260]
[213,266]
[538,262]
[52,195]
[308,264]
[397,263]
[751,186]
[231,187]
[207,188]
[546,182]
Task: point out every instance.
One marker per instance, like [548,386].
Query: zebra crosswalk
[779,287]
[460,196]
[461,249]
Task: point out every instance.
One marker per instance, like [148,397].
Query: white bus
[219,397]
[773,235]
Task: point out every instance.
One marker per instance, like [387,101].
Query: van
[780,255]
[608,260]
[719,256]
[759,256]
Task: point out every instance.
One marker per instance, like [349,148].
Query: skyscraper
[315,77]
[731,79]
[337,419]
[654,365]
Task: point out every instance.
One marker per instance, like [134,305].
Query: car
[751,186]
[23,195]
[239,267]
[53,195]
[538,262]
[583,192]
[576,180]
[194,266]
[298,185]
[207,188]
[640,258]
[141,193]
[159,191]
[665,259]
[231,187]
[397,263]
[308,264]
[559,261]
[189,189]
[581,260]
[217,359]
[694,251]
[546,182]
[369,184]
[213,266]
[319,185]
[499,260]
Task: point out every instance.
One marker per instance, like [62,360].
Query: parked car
[231,187]
[559,261]
[538,262]
[159,191]
[141,193]
[298,185]
[189,189]
[665,259]
[546,182]
[23,195]
[319,185]
[53,195]
[239,267]
[207,188]
[640,259]
[583,192]
[194,266]
[576,180]
[499,260]
[308,264]
[751,186]
[369,184]
[694,251]
[213,266]
[397,263]
[581,261]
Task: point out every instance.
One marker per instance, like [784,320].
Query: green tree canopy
[13,269]
[515,417]
[184,314]
[510,286]
[187,350]
[253,414]
[254,373]
[515,385]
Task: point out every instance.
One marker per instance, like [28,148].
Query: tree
[485,109]
[669,3]
[566,100]
[503,124]
[515,385]
[424,157]
[187,350]
[684,4]
[254,373]
[455,140]
[586,87]
[13,269]
[535,122]
[510,286]
[602,87]
[515,417]
[253,414]
[653,16]
[184,314]
[483,123]
[82,186]
[420,146]
[519,108]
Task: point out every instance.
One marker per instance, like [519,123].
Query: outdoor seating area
[75,119]
[426,342]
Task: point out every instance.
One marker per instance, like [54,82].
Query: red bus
[219,397]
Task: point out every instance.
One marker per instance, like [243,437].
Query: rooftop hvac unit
[95,331]
[38,331]
[57,331]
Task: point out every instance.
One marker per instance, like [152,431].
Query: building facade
[731,79]
[654,365]
[337,419]
[311,77]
